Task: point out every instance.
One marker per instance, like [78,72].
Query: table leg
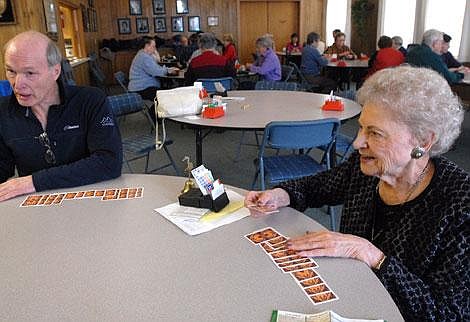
[198,146]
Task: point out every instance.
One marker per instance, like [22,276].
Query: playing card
[283,253]
[58,199]
[323,297]
[311,281]
[43,200]
[287,259]
[304,274]
[99,193]
[294,262]
[50,199]
[70,195]
[268,249]
[299,267]
[132,193]
[79,195]
[315,289]
[110,194]
[262,235]
[31,201]
[140,192]
[277,240]
[123,193]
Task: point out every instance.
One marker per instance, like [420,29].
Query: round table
[355,67]
[263,107]
[93,260]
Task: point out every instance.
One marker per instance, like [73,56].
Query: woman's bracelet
[380,262]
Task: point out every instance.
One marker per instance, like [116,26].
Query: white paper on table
[233,98]
[187,218]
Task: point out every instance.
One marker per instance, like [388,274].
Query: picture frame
[142,25]
[51,19]
[182,7]
[159,24]
[177,24]
[135,7]
[124,26]
[7,13]
[158,7]
[194,23]
[212,21]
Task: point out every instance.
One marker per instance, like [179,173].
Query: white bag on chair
[176,102]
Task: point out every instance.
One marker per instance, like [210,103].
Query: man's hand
[16,187]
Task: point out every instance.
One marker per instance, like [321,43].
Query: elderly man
[428,54]
[397,43]
[56,136]
[209,64]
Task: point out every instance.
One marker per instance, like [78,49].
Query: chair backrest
[121,78]
[286,72]
[5,88]
[304,84]
[67,72]
[300,134]
[275,85]
[124,104]
[98,77]
[209,83]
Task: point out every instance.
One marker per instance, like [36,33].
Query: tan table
[92,260]
[265,107]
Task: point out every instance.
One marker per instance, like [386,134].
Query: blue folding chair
[209,83]
[137,146]
[122,80]
[275,85]
[5,88]
[295,135]
[67,73]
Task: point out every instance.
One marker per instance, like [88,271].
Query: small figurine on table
[188,184]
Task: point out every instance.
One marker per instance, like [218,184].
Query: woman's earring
[417,152]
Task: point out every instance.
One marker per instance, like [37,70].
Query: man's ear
[56,69]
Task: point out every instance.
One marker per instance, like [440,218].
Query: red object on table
[341,63]
[333,60]
[335,105]
[213,112]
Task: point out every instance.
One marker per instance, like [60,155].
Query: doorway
[280,18]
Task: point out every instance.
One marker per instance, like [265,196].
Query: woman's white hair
[421,99]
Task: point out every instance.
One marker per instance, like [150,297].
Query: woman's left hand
[333,244]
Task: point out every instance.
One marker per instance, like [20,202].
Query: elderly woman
[406,208]
[229,52]
[340,49]
[267,64]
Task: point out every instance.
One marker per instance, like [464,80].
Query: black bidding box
[195,198]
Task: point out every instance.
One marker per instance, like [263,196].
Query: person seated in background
[144,70]
[312,62]
[229,52]
[335,32]
[453,64]
[209,64]
[406,211]
[267,64]
[397,43]
[294,46]
[385,57]
[428,54]
[55,135]
[340,49]
[183,51]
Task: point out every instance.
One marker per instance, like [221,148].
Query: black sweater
[425,240]
[84,139]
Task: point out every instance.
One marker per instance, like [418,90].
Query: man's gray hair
[432,35]
[421,99]
[53,54]
[265,42]
[397,40]
[207,41]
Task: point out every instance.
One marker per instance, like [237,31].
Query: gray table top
[356,63]
[92,260]
[267,106]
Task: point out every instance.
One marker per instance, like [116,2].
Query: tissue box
[336,105]
[195,198]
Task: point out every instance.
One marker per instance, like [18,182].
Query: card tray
[194,198]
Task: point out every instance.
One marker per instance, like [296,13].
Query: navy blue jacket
[84,138]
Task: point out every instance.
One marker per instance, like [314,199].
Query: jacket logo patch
[71,127]
[107,121]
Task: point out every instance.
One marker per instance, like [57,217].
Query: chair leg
[171,160]
[147,162]
[129,166]
[331,211]
[253,185]
[239,148]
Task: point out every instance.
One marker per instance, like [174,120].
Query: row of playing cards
[105,194]
[301,268]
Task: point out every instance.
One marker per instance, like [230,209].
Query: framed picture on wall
[212,21]
[51,19]
[160,24]
[135,7]
[194,23]
[142,25]
[182,6]
[158,7]
[124,26]
[177,24]
[7,13]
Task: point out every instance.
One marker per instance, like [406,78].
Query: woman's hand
[262,202]
[333,244]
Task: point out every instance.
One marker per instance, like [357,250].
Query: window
[448,18]
[336,14]
[399,19]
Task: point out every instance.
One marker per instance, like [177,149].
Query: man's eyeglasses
[49,156]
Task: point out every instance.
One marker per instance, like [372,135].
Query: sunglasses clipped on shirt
[49,156]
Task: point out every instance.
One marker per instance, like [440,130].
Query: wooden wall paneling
[283,20]
[253,23]
[312,18]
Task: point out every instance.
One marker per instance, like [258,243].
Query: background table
[265,107]
[92,260]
